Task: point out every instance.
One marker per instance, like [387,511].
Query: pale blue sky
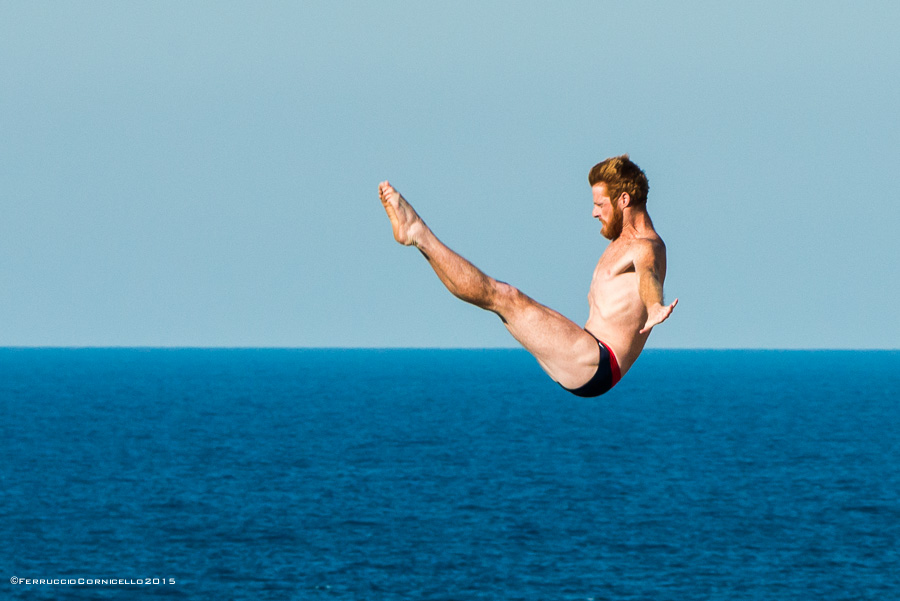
[205,173]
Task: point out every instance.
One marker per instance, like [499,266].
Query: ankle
[421,236]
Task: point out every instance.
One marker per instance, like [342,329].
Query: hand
[656,315]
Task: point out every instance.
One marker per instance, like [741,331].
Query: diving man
[626,294]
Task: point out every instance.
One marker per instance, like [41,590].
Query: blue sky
[204,173]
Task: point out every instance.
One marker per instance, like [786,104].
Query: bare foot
[406,223]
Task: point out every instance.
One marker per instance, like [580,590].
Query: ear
[624,200]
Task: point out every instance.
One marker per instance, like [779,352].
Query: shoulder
[647,251]
[647,246]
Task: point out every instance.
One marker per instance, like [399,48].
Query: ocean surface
[447,474]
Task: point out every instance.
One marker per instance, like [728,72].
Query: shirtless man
[626,295]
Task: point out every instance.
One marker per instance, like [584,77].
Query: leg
[565,351]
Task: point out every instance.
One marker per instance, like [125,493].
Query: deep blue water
[426,474]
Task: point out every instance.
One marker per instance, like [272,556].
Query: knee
[504,298]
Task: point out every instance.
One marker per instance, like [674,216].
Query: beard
[613,228]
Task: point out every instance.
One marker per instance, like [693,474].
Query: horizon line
[413,348]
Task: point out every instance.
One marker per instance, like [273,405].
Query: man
[626,295]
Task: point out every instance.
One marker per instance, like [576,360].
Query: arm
[647,264]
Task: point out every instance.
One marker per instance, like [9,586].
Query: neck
[636,221]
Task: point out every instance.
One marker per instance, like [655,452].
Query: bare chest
[615,261]
[614,280]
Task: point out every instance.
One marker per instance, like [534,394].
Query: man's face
[607,212]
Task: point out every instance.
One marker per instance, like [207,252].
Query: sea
[419,474]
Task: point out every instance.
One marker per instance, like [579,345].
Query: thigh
[564,350]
